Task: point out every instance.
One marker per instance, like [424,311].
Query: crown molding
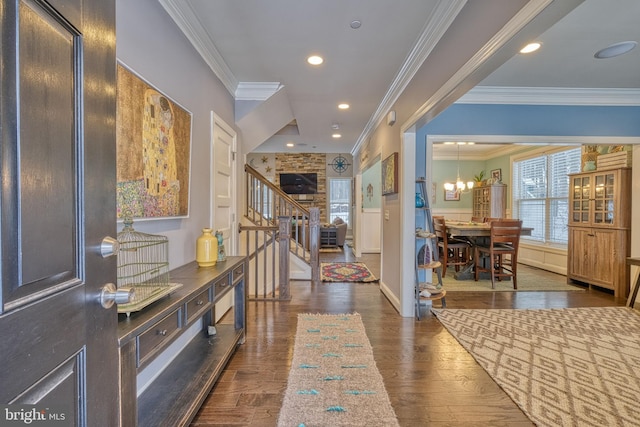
[545,143]
[256,91]
[542,140]
[440,20]
[187,20]
[506,33]
[551,96]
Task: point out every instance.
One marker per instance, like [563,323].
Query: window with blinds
[541,193]
[340,199]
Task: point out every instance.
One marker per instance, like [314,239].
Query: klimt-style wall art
[153,141]
[390,174]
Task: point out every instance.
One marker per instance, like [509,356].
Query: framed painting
[496,175]
[451,196]
[153,148]
[390,174]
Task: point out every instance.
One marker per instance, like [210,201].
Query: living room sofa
[342,230]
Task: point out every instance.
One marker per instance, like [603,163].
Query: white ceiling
[268,41]
[566,57]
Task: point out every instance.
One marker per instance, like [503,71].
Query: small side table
[328,237]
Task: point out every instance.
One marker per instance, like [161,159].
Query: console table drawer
[238,272]
[222,283]
[197,305]
[152,340]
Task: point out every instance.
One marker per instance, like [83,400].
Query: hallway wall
[149,43]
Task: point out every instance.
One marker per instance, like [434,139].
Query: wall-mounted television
[299,183]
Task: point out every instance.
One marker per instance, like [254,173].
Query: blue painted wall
[521,120]
[556,120]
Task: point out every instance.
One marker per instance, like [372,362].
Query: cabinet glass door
[581,196]
[603,199]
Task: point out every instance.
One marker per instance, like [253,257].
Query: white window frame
[348,219]
[539,152]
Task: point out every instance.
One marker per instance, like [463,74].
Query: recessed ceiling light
[343,106]
[315,60]
[355,24]
[290,144]
[531,47]
[336,135]
[615,49]
[335,126]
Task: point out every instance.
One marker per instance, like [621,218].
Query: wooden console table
[174,397]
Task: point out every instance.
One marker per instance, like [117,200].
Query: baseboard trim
[393,299]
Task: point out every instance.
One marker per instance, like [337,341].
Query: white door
[223,190]
[356,227]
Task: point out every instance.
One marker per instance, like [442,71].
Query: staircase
[274,221]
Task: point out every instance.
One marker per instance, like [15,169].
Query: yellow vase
[206,249]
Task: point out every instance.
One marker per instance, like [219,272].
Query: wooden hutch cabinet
[490,201]
[599,229]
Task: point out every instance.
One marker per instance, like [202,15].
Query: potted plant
[479,179]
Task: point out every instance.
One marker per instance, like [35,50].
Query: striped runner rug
[333,379]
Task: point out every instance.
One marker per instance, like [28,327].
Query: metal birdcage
[143,264]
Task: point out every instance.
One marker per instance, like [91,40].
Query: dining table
[474,233]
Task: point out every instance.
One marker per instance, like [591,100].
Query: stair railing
[266,202]
[281,227]
[265,282]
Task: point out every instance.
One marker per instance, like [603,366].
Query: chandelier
[459,185]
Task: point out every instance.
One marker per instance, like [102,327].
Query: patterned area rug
[346,272]
[334,380]
[530,279]
[563,367]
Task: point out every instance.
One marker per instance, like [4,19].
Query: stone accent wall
[306,163]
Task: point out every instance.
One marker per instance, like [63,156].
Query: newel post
[314,244]
[284,242]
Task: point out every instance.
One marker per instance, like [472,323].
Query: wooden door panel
[70,9]
[46,162]
[602,267]
[57,159]
[47,147]
[36,342]
[579,262]
[58,388]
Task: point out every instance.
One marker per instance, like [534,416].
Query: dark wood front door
[58,346]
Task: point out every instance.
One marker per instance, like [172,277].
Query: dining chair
[504,240]
[491,219]
[453,252]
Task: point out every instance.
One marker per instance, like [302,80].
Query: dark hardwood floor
[430,378]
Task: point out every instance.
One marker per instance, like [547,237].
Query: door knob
[109,246]
[110,295]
